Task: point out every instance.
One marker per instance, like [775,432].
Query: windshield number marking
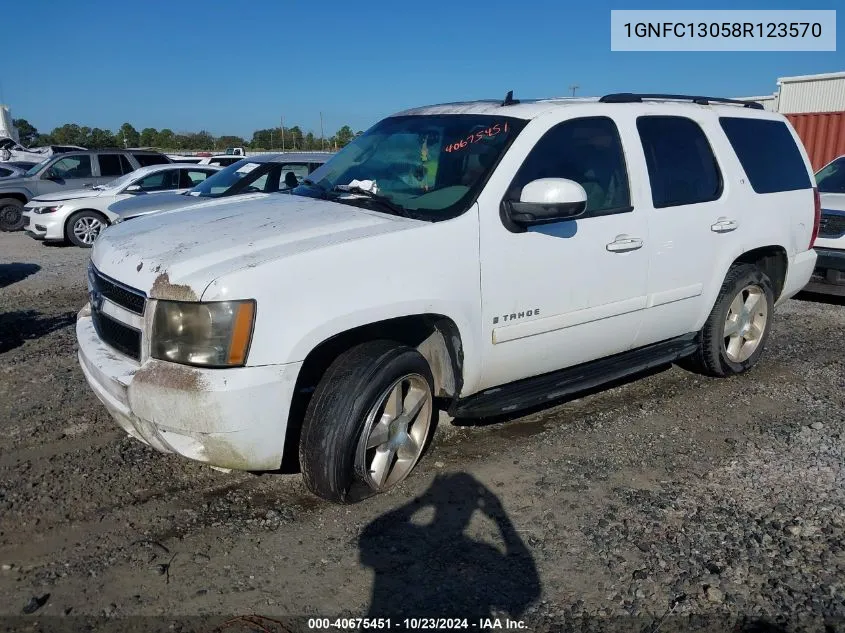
[490,132]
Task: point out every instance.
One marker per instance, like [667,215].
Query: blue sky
[232,67]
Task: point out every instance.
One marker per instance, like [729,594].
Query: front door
[72,171]
[561,294]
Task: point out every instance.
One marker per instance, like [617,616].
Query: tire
[351,423]
[718,353]
[11,214]
[83,228]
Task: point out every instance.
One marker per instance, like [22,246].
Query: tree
[149,137]
[343,136]
[26,132]
[230,141]
[310,142]
[98,139]
[165,139]
[67,134]
[129,136]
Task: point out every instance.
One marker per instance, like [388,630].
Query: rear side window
[768,154]
[151,159]
[681,166]
[110,165]
[192,177]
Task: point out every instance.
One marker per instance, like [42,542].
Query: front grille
[128,298]
[832,224]
[123,338]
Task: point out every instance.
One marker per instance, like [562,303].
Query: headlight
[205,334]
[47,209]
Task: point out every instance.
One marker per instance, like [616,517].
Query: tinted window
[151,159]
[298,171]
[160,181]
[126,165]
[192,177]
[831,179]
[110,165]
[73,167]
[768,154]
[587,151]
[681,166]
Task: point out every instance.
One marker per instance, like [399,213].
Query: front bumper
[232,418]
[829,274]
[45,226]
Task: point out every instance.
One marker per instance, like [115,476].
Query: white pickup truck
[477,258]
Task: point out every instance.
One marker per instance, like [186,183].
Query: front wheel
[735,333]
[368,423]
[11,214]
[84,228]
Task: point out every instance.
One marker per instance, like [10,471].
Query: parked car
[224,160]
[479,257]
[11,150]
[258,175]
[64,172]
[829,276]
[80,215]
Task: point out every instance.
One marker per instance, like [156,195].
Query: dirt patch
[163,289]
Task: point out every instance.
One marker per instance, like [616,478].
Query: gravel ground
[672,502]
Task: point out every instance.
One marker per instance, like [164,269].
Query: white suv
[478,257]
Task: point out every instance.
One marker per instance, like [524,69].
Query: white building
[805,93]
[6,127]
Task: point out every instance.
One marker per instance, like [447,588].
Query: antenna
[573,88]
[509,100]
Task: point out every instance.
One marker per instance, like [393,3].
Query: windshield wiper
[384,201]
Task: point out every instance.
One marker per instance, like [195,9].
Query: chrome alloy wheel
[395,433]
[86,229]
[745,324]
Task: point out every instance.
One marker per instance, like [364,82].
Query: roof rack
[631,97]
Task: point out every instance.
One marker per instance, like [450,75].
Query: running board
[544,389]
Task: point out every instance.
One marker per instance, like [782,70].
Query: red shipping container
[823,135]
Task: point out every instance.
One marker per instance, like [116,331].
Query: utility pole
[282,123]
[271,138]
[573,88]
[322,137]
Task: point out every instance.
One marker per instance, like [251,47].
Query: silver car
[256,175]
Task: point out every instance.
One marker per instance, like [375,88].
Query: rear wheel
[368,422]
[83,228]
[11,214]
[733,338]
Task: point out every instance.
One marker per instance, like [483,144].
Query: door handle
[624,243]
[724,225]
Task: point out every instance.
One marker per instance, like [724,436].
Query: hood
[73,194]
[177,254]
[136,205]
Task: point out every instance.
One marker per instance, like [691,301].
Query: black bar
[631,97]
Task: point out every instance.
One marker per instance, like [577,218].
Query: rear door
[691,220]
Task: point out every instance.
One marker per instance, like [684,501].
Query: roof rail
[631,97]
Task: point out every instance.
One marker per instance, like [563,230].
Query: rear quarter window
[768,154]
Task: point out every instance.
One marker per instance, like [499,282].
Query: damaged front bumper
[230,418]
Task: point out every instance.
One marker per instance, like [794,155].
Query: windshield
[431,166]
[244,176]
[831,179]
[36,168]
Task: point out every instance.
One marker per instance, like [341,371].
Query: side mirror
[547,200]
[133,189]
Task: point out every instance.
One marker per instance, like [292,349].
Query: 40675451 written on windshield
[490,132]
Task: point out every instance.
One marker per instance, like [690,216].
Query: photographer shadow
[436,569]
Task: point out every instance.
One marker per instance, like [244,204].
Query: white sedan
[78,216]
